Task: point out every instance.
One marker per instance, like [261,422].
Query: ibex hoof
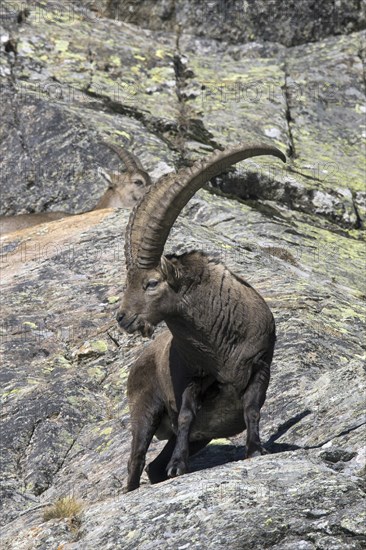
[256,451]
[130,487]
[176,469]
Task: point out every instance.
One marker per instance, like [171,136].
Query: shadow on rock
[217,454]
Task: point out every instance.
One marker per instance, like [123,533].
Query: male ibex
[124,190]
[207,376]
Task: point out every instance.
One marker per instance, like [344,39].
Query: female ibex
[207,376]
[124,190]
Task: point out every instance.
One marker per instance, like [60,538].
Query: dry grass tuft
[66,507]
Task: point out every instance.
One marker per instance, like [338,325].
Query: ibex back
[207,376]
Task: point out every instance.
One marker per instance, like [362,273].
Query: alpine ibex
[124,190]
[207,376]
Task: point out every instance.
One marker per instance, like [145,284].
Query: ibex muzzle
[206,376]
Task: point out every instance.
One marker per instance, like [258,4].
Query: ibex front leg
[145,417]
[141,439]
[190,403]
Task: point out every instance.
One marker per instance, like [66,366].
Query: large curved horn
[151,220]
[131,162]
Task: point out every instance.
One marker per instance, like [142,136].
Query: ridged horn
[131,162]
[151,220]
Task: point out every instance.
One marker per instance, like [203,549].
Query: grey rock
[174,103]
[295,234]
[242,21]
[65,421]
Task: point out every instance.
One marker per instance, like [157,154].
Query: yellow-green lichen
[10,392]
[30,324]
[123,374]
[123,134]
[113,299]
[103,447]
[106,431]
[220,441]
[92,347]
[61,45]
[99,345]
[61,361]
[115,60]
[96,373]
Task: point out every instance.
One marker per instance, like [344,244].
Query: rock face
[172,97]
[72,79]
[289,23]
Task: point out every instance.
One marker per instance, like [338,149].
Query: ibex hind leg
[253,399]
[190,401]
[157,469]
[143,428]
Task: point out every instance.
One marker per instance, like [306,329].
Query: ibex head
[127,188]
[151,295]
[156,284]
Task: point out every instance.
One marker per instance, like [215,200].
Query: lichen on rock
[73,79]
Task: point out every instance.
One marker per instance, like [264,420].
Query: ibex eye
[152,284]
[139,183]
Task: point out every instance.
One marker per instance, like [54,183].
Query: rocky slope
[71,79]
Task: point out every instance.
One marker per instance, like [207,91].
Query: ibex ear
[170,272]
